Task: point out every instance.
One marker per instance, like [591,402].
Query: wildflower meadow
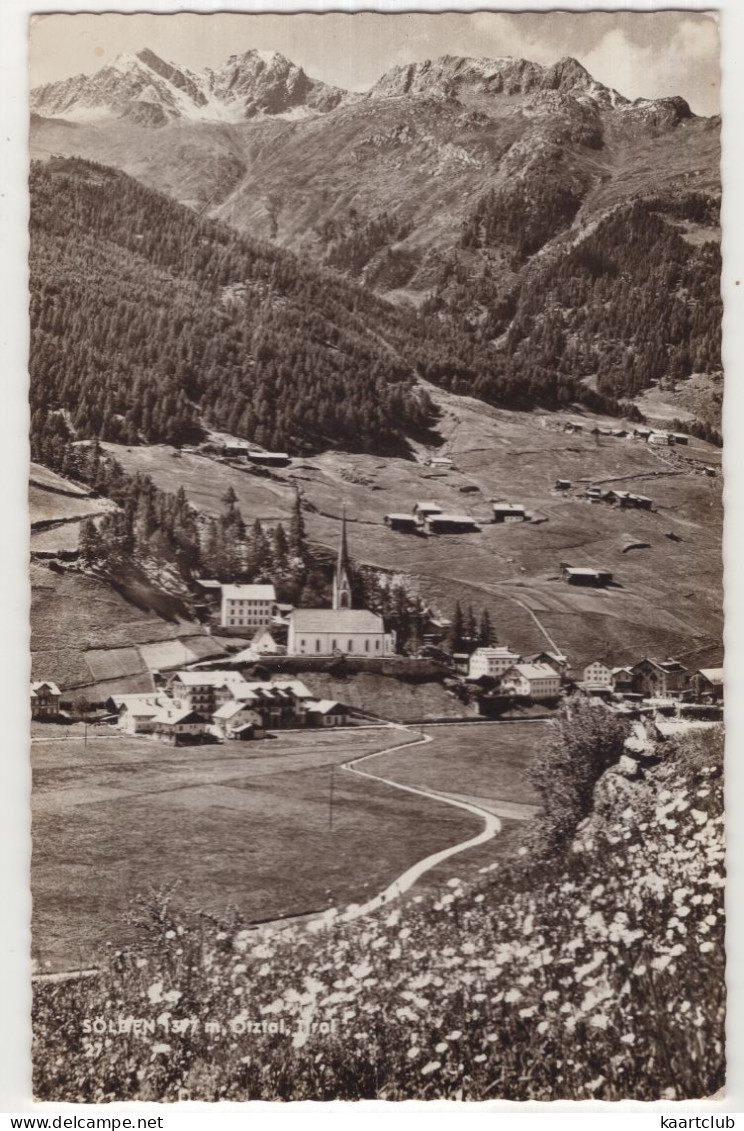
[594,971]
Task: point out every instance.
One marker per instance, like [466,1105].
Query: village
[223,701]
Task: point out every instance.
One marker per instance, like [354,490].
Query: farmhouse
[491,662]
[580,575]
[707,684]
[622,679]
[680,438]
[555,660]
[45,699]
[327,713]
[532,681]
[424,509]
[659,679]
[641,433]
[562,484]
[269,459]
[450,524]
[404,522]
[179,726]
[508,512]
[235,716]
[442,462]
[660,438]
[137,712]
[626,499]
[247,606]
[597,675]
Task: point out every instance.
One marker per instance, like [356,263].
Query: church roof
[336,620]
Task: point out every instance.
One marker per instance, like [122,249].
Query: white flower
[705,947]
[155,992]
[160,1048]
[599,1021]
[413,1052]
[432,1066]
[172,995]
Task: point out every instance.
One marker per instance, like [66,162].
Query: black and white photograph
[375,502]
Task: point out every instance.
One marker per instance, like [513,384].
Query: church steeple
[342,576]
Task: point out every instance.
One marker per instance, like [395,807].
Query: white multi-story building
[597,674]
[533,681]
[492,662]
[248,607]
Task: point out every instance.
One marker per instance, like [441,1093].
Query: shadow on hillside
[138,591]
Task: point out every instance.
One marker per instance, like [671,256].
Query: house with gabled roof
[659,679]
[45,699]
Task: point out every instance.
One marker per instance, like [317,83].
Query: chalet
[707,684]
[234,716]
[660,438]
[508,512]
[619,433]
[562,484]
[45,700]
[680,438]
[269,459]
[424,509]
[641,433]
[179,726]
[661,679]
[573,426]
[597,675]
[406,523]
[322,632]
[581,575]
[593,492]
[450,524]
[209,586]
[710,472]
[234,449]
[626,499]
[622,679]
[555,660]
[492,662]
[532,681]
[247,606]
[137,712]
[444,463]
[203,691]
[327,713]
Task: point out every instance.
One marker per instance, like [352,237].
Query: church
[342,628]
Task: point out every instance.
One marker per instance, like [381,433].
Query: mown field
[668,594]
[250,826]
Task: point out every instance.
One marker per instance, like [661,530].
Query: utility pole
[330,799]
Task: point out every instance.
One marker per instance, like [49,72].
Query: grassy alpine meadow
[597,973]
[274,828]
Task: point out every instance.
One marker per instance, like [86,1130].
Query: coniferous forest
[151,324]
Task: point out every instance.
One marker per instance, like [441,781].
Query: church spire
[342,576]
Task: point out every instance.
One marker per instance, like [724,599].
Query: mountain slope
[469,188]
